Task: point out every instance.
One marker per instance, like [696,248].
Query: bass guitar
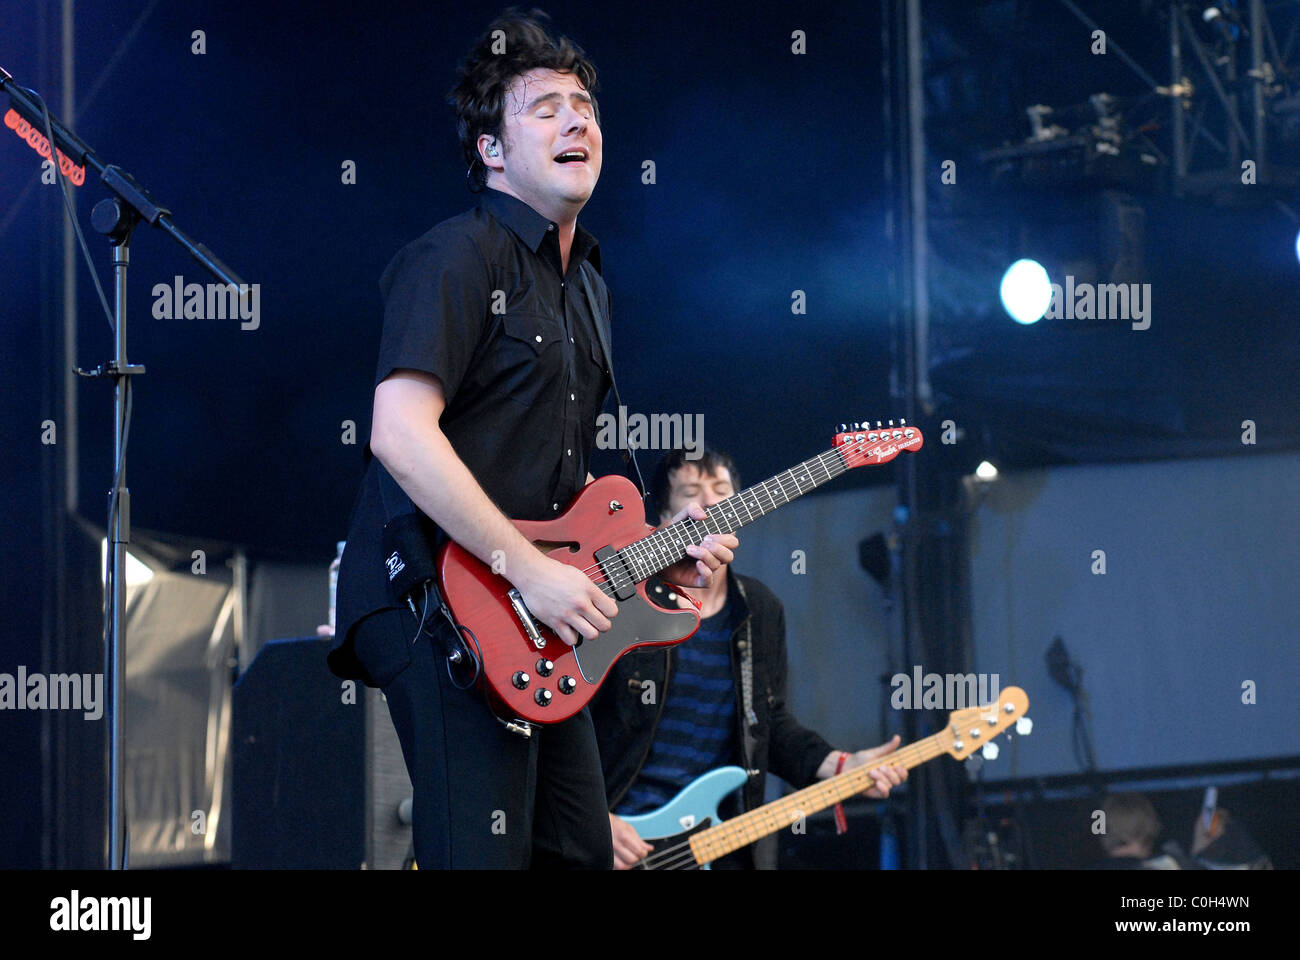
[533,674]
[686,831]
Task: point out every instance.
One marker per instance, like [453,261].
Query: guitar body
[534,675]
[607,513]
[692,809]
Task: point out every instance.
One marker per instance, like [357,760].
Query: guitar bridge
[526,619]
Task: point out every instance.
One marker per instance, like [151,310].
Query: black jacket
[625,725]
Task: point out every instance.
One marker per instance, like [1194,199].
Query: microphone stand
[116,218]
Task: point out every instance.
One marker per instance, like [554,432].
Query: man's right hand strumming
[409,442]
[629,848]
[565,599]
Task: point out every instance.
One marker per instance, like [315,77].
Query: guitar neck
[663,548]
[708,845]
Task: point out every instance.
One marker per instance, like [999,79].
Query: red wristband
[841,821]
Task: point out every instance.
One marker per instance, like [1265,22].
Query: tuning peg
[844,428]
[902,423]
[877,424]
[891,423]
[855,426]
[990,751]
[1024,726]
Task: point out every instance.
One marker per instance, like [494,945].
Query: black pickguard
[674,852]
[636,622]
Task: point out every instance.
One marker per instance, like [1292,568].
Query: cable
[67,201]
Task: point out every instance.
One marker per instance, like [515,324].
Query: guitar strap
[747,679]
[600,322]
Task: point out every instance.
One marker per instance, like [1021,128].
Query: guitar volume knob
[543,697]
[568,684]
[520,679]
[544,667]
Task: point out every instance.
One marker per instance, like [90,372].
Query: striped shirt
[697,730]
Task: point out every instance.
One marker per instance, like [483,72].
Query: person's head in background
[1132,826]
[677,481]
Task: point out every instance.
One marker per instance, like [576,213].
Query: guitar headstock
[972,728]
[876,443]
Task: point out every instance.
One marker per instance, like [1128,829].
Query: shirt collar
[531,227]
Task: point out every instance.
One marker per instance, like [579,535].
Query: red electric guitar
[534,674]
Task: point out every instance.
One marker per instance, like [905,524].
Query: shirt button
[550,227]
[555,506]
[569,452]
[538,338]
[571,339]
[572,397]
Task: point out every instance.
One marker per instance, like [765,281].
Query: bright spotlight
[1297,246]
[1026,291]
[986,471]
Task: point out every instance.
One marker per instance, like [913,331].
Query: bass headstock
[970,729]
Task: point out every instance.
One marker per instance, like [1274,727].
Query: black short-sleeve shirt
[481,303]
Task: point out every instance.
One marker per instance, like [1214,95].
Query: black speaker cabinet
[318,777]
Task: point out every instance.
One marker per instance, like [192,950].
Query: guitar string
[680,852]
[640,551]
[755,825]
[832,462]
[751,826]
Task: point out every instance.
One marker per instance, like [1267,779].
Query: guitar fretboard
[708,845]
[663,548]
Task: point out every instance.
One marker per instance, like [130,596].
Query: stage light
[1026,291]
[1297,246]
[986,472]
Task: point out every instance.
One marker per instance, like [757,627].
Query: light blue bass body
[697,802]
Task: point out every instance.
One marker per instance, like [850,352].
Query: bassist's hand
[565,599]
[629,848]
[710,556]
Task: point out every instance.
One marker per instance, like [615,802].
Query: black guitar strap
[600,321]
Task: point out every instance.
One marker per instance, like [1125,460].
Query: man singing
[491,375]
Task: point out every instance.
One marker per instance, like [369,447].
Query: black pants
[485,797]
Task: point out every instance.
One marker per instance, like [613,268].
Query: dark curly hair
[708,464]
[485,74]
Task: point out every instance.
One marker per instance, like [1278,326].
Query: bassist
[666,716]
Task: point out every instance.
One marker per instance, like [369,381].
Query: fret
[717,841]
[665,547]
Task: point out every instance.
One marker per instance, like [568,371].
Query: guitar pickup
[526,619]
[617,573]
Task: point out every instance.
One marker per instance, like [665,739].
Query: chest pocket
[536,330]
[528,362]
